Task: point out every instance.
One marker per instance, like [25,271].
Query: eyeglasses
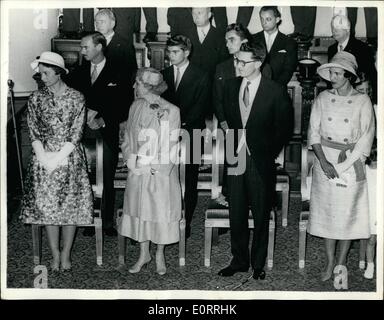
[241,62]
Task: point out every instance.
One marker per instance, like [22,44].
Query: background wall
[31,32]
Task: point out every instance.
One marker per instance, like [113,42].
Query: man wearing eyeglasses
[262,107]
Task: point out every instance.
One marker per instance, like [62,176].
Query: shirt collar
[109,37]
[205,29]
[100,65]
[182,68]
[253,81]
[272,35]
[345,43]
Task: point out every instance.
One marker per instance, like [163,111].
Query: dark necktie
[178,78]
[246,94]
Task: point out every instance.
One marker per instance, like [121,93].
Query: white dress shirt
[203,31]
[343,44]
[245,111]
[99,67]
[182,70]
[270,38]
[109,37]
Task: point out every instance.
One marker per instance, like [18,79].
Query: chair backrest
[94,155]
[280,160]
[217,167]
[182,162]
[307,158]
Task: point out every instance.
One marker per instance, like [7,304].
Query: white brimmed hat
[49,57]
[343,60]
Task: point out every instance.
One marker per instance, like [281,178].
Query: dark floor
[285,275]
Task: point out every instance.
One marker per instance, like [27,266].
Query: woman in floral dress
[152,199]
[341,133]
[57,188]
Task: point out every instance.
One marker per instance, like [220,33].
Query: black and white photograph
[216,150]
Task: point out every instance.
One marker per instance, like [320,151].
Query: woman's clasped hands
[51,160]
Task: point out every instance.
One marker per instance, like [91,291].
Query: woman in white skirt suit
[341,132]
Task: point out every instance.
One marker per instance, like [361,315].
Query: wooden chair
[217,216]
[282,177]
[205,170]
[282,185]
[307,158]
[94,154]
[182,223]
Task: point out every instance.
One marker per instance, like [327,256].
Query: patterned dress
[345,127]
[64,196]
[152,202]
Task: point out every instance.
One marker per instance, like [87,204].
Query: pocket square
[112,84]
[282,51]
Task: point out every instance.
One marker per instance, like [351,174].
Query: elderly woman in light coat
[152,199]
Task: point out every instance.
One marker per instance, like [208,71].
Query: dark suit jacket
[224,71]
[104,96]
[191,95]
[122,54]
[211,52]
[270,123]
[180,20]
[364,58]
[283,64]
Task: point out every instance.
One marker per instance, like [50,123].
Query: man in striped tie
[259,112]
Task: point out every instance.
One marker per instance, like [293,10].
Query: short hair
[160,87]
[274,9]
[350,76]
[106,12]
[98,38]
[240,30]
[181,41]
[341,22]
[257,49]
[56,69]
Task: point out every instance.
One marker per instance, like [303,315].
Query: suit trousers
[370,14]
[110,159]
[304,19]
[248,191]
[151,18]
[71,20]
[191,179]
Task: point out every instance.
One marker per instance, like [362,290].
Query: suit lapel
[170,78]
[276,43]
[257,102]
[195,37]
[104,74]
[235,107]
[186,78]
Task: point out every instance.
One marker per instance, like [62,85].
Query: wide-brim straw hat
[343,60]
[51,58]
